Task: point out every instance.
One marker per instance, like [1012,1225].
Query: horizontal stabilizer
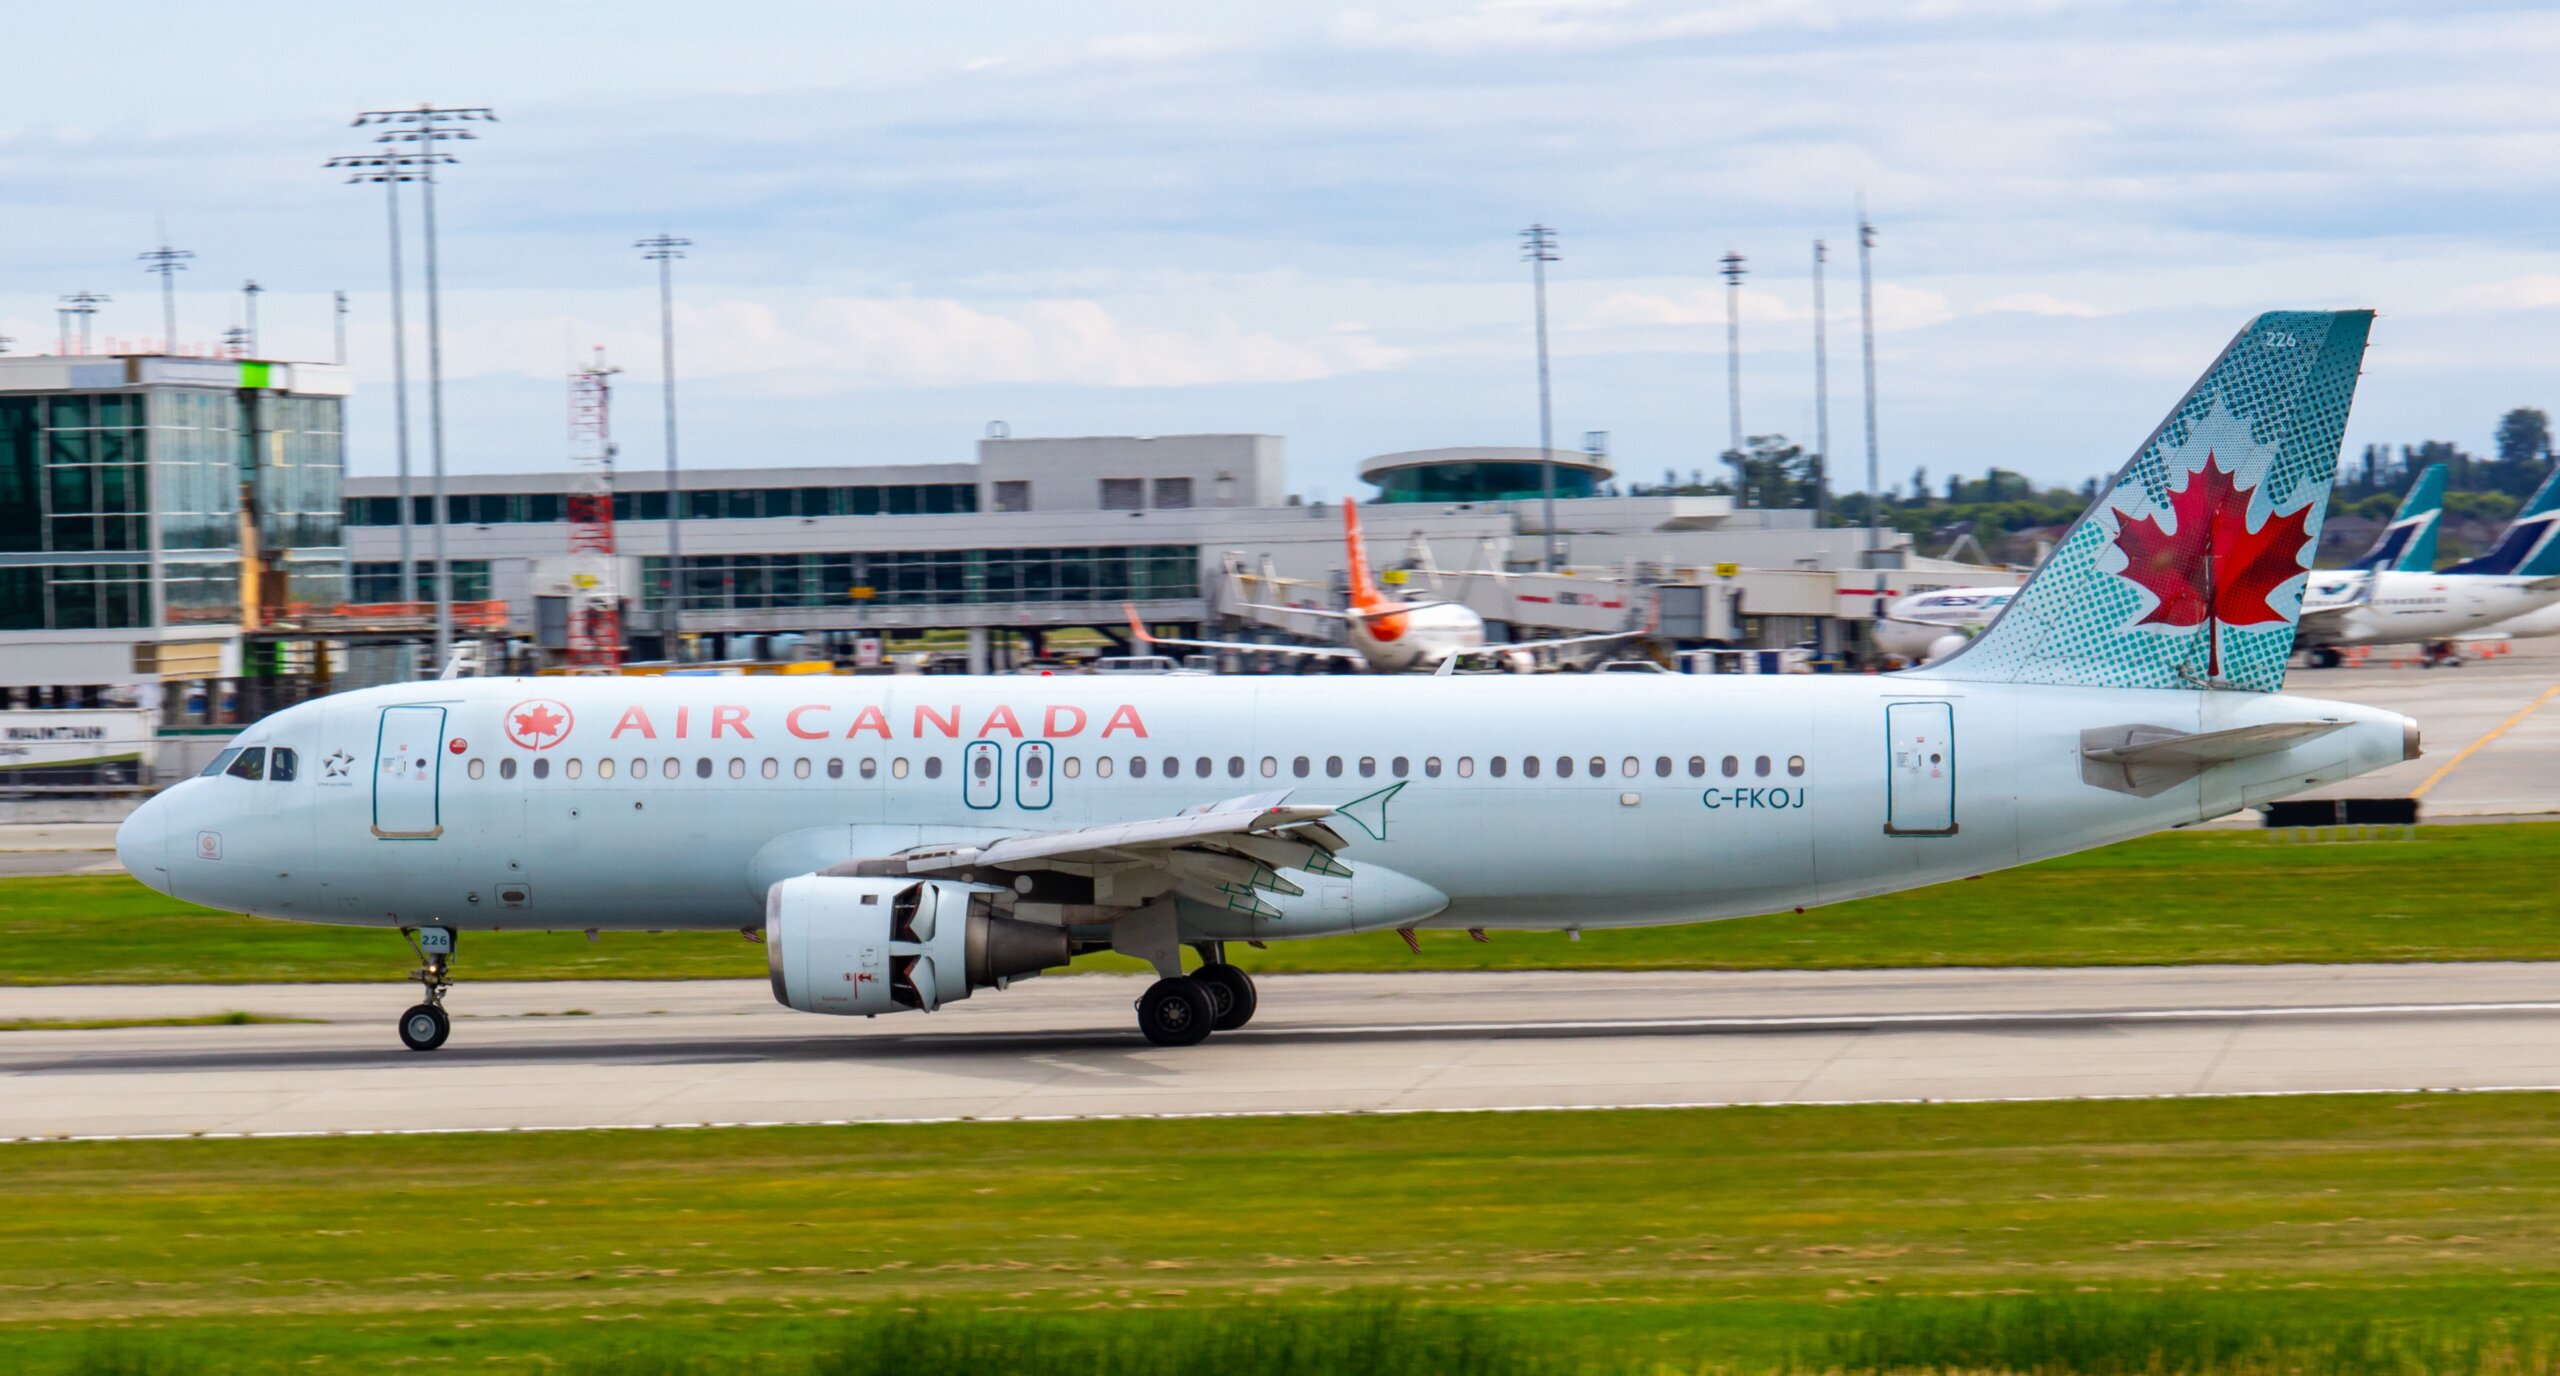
[2147,760]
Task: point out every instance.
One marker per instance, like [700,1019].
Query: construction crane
[595,591]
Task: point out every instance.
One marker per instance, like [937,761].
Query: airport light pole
[249,292]
[1867,342]
[1821,394]
[83,304]
[1733,274]
[426,126]
[391,169]
[168,262]
[664,249]
[1538,247]
[339,301]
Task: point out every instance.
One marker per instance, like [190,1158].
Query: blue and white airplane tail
[2528,549]
[2408,544]
[2187,572]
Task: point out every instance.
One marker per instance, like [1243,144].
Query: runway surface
[607,1054]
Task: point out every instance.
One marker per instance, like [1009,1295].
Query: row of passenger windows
[1169,767]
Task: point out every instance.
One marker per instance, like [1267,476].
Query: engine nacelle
[856,945]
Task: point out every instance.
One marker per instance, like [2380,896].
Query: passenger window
[984,767]
[1431,766]
[1697,766]
[800,768]
[1071,766]
[1102,766]
[1795,766]
[1298,766]
[1761,766]
[1032,768]
[221,763]
[252,764]
[933,766]
[1333,766]
[1630,767]
[1368,766]
[541,767]
[507,768]
[1172,767]
[1564,766]
[1201,766]
[473,769]
[1466,766]
[1662,766]
[1732,766]
[898,767]
[835,769]
[870,767]
[571,767]
[1235,766]
[737,766]
[772,768]
[702,767]
[280,765]
[1270,767]
[640,770]
[1600,768]
[1528,766]
[1137,766]
[1396,766]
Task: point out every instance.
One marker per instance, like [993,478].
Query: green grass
[233,1019]
[2453,893]
[1859,1238]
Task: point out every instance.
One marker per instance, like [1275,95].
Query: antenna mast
[595,593]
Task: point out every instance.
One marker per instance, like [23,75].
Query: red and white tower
[595,585]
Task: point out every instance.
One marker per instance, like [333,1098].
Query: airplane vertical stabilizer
[2530,545]
[2187,572]
[2408,544]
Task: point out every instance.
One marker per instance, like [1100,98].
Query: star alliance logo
[338,766]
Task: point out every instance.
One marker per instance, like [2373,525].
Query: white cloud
[2533,291]
[2035,303]
[1695,306]
[944,342]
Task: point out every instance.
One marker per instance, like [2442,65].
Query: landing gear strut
[424,1027]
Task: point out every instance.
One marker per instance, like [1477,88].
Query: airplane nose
[142,844]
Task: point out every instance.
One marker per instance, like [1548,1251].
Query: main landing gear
[424,1027]
[1184,1009]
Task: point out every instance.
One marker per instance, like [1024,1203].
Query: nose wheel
[425,1026]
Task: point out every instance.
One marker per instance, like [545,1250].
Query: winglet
[1134,628]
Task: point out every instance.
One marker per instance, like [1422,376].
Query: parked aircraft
[1388,635]
[2529,548]
[901,844]
[2393,594]
[1936,624]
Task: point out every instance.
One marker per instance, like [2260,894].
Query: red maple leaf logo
[535,726]
[2214,568]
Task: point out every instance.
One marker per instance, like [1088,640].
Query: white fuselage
[2392,607]
[2540,622]
[1403,642]
[1914,626]
[661,803]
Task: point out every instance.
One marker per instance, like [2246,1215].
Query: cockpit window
[252,764]
[219,763]
[280,765]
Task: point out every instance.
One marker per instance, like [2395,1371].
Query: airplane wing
[1341,652]
[1394,609]
[1224,854]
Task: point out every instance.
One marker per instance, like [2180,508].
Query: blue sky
[1151,218]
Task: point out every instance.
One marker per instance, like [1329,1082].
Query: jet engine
[865,945]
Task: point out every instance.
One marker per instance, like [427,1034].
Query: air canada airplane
[1386,634]
[903,844]
[2395,595]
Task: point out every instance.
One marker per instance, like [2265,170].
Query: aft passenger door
[1920,772]
[408,768]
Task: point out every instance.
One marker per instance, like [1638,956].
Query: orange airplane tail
[1365,592]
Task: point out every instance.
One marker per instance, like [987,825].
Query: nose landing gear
[424,1027]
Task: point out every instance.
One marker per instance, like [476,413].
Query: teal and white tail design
[2530,548]
[2408,544]
[2187,572]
